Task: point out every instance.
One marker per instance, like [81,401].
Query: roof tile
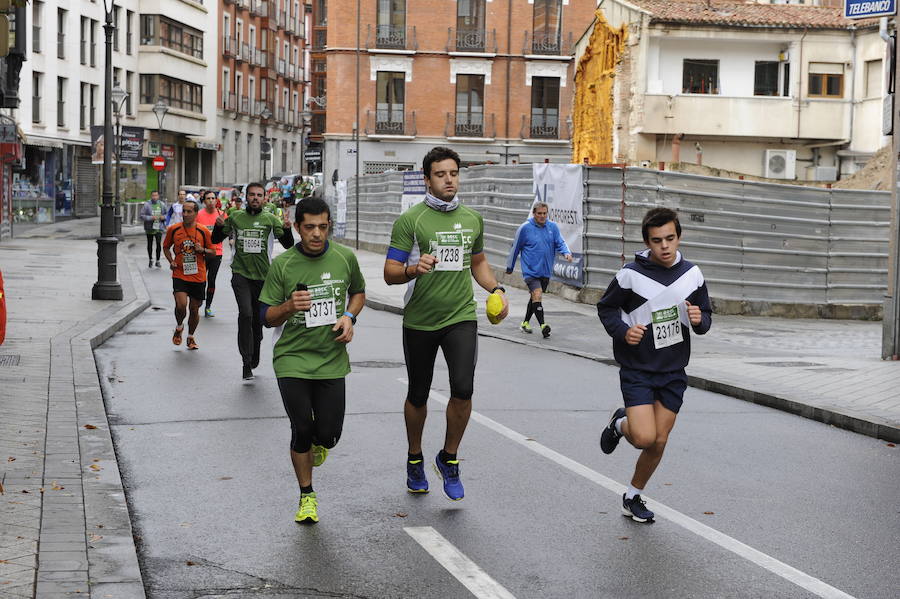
[730,13]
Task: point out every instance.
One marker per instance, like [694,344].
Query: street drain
[377,364]
[139,332]
[9,360]
[786,364]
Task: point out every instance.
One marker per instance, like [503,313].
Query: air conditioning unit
[825,173]
[780,164]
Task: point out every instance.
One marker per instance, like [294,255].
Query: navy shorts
[535,282]
[640,387]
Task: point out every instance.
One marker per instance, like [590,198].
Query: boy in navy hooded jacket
[650,309]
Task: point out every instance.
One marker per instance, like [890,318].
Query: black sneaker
[255,361]
[636,509]
[545,330]
[158,264]
[150,265]
[248,373]
[609,438]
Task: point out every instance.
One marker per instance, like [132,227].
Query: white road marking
[463,569]
[773,565]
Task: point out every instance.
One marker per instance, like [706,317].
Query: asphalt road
[751,502]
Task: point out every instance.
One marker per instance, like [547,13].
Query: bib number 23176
[449,251]
[666,328]
[323,309]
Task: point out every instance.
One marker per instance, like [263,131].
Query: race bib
[323,310]
[155,225]
[189,264]
[666,327]
[448,249]
[251,240]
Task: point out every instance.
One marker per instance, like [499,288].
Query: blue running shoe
[449,472]
[609,438]
[415,477]
[636,509]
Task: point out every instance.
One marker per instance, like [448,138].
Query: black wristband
[500,287]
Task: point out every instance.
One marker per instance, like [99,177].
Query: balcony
[245,52]
[470,124]
[545,127]
[279,115]
[280,18]
[227,2]
[260,8]
[471,40]
[281,67]
[245,4]
[259,57]
[229,101]
[320,39]
[391,37]
[752,117]
[229,47]
[390,122]
[547,44]
[295,72]
[245,105]
[259,106]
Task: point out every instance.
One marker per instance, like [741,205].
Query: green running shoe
[526,328]
[319,455]
[307,511]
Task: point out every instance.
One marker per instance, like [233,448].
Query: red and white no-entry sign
[159,163]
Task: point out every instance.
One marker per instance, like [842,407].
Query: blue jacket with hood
[538,246]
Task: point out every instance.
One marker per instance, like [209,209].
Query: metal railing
[244,108]
[545,127]
[229,47]
[281,67]
[245,52]
[391,122]
[548,44]
[280,117]
[470,124]
[229,101]
[259,57]
[320,39]
[471,40]
[391,37]
[259,8]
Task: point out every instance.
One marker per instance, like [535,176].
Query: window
[545,107]
[174,92]
[469,105]
[786,79]
[391,28]
[321,13]
[129,30]
[85,25]
[36,97]
[826,80]
[82,110]
[116,12]
[700,76]
[37,15]
[389,102]
[129,88]
[93,105]
[319,65]
[874,79]
[547,25]
[60,33]
[765,78]
[470,25]
[117,76]
[93,43]
[60,102]
[157,30]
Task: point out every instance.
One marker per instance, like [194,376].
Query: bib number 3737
[666,328]
[323,309]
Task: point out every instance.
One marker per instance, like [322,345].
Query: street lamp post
[119,96]
[265,146]
[107,286]
[160,109]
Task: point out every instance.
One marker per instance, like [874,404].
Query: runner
[310,356]
[249,266]
[437,247]
[187,247]
[153,214]
[173,216]
[538,240]
[207,218]
[663,293]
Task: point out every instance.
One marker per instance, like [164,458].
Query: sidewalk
[62,495]
[826,370]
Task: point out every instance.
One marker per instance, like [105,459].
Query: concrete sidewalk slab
[63,532]
[826,370]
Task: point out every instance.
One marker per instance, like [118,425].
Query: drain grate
[9,360]
[786,364]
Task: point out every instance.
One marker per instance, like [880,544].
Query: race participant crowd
[312,295]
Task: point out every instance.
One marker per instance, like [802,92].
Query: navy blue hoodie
[642,287]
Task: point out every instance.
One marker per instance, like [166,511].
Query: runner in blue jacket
[538,240]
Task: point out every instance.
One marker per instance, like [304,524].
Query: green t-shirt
[251,248]
[310,352]
[443,296]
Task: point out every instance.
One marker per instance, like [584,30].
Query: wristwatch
[350,315]
[500,287]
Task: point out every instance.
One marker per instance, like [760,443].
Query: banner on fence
[413,189]
[340,222]
[560,187]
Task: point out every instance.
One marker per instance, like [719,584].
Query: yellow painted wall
[592,137]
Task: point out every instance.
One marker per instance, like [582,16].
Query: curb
[833,417]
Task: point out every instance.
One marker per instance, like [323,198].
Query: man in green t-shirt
[437,247]
[313,293]
[249,265]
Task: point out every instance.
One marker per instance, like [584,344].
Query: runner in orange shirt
[187,247]
[207,218]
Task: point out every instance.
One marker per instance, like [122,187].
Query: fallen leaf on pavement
[89,426]
[709,513]
[56,486]
[2,492]
[10,459]
[190,563]
[96,537]
[623,538]
[26,491]
[96,468]
[401,514]
[224,478]
[186,525]
[891,445]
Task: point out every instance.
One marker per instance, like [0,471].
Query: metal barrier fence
[759,244]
